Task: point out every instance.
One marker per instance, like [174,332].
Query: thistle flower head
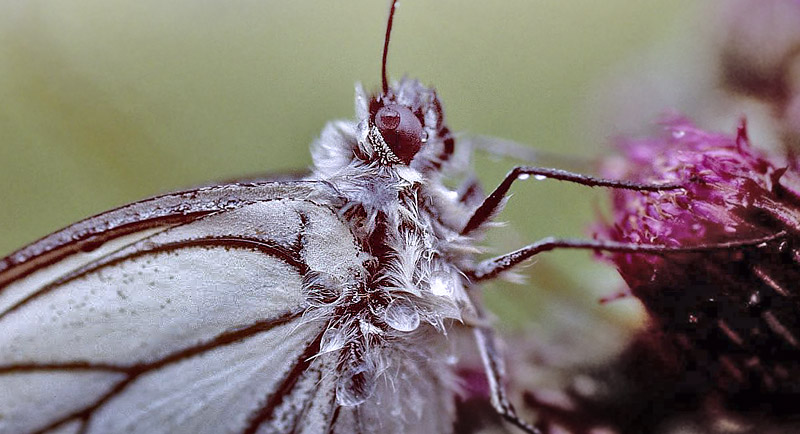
[732,314]
[732,192]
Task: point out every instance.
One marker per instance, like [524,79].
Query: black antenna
[386,46]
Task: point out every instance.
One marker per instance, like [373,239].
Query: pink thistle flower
[730,317]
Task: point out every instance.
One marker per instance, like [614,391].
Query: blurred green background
[105,102]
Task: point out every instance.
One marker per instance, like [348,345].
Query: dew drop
[333,339]
[540,177]
[355,385]
[441,284]
[755,299]
[523,177]
[401,315]
[678,134]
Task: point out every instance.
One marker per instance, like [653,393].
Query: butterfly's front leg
[494,366]
[493,203]
[491,268]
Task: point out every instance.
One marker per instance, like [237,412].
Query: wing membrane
[190,323]
[32,400]
[217,391]
[148,306]
[158,212]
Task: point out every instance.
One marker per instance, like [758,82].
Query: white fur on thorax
[425,249]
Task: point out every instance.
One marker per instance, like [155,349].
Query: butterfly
[334,302]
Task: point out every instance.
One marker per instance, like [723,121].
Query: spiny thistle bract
[725,320]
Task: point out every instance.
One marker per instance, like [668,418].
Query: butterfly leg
[490,268]
[492,204]
[494,367]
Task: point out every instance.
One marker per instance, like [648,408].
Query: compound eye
[401,130]
[387,119]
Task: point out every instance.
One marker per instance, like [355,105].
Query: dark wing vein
[334,419]
[267,411]
[135,371]
[289,254]
[165,210]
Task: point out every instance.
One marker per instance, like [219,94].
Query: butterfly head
[399,132]
[404,117]
[403,120]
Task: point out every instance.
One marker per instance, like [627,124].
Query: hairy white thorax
[408,221]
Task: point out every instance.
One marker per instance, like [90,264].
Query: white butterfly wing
[183,324]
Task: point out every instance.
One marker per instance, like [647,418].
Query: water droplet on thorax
[333,339]
[356,385]
[441,284]
[401,315]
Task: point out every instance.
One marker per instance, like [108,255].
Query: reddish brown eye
[401,130]
[387,119]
